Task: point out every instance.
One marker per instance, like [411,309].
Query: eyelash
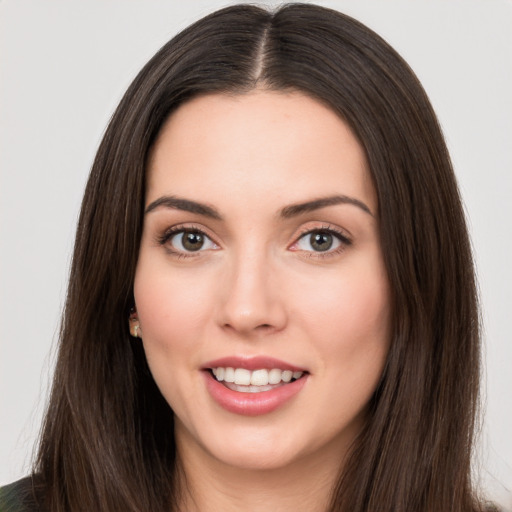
[175,230]
[342,238]
[326,229]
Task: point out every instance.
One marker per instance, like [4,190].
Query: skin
[258,287]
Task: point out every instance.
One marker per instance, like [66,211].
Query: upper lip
[252,363]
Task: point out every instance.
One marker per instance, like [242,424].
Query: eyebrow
[178,203]
[309,206]
[293,210]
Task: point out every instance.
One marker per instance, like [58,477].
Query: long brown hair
[107,441]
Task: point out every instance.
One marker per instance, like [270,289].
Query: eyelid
[311,227]
[163,237]
[344,238]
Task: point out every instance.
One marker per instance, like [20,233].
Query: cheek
[172,306]
[173,309]
[348,316]
[352,302]
[363,311]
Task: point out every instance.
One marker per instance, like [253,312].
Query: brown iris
[192,240]
[321,241]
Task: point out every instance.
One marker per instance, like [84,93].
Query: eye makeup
[314,241]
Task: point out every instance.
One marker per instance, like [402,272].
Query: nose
[251,301]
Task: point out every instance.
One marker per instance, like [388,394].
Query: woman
[272,301]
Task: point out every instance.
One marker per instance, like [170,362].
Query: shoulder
[19,497]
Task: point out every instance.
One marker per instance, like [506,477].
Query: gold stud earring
[133,323]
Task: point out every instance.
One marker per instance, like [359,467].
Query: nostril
[265,328]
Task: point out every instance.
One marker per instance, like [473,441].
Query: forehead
[260,143]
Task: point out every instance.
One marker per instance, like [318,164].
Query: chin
[259,458]
[270,445]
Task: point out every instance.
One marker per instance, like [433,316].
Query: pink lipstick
[253,386]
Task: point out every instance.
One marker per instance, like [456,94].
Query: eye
[321,241]
[318,241]
[190,240]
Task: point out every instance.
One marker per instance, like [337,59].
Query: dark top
[19,497]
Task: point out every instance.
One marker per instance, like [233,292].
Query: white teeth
[249,389]
[259,378]
[287,376]
[250,379]
[274,376]
[229,374]
[242,377]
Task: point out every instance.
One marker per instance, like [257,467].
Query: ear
[134,324]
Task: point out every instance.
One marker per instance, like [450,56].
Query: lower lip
[252,404]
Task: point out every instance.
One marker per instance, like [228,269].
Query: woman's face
[260,262]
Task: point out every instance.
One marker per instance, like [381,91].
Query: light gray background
[64,66]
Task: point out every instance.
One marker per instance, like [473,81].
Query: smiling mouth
[254,381]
